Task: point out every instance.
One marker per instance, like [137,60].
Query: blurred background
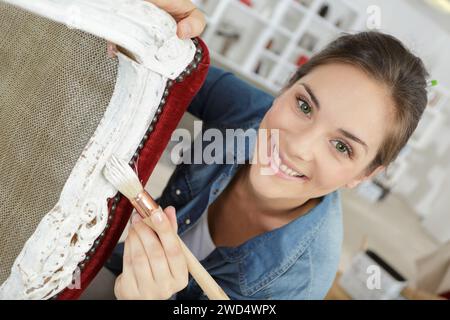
[399,221]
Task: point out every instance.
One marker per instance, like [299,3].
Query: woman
[343,117]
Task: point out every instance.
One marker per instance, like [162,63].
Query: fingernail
[157,216]
[135,218]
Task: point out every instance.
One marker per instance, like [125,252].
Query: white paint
[48,260]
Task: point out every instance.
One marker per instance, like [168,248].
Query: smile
[283,170]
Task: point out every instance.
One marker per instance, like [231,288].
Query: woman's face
[330,126]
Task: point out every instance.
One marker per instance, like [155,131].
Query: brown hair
[384,58]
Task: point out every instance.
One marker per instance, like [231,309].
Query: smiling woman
[342,118]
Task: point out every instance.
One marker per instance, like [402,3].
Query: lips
[282,166]
[282,169]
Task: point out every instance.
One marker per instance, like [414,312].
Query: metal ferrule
[144,204]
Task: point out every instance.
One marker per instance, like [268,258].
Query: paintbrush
[122,176]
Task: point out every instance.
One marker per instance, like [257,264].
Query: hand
[191,21]
[154,266]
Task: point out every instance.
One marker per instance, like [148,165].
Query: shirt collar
[270,254]
[300,232]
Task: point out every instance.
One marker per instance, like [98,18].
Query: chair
[65,109]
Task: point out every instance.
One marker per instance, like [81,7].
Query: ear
[357,181]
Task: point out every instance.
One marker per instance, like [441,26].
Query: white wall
[430,169]
[418,31]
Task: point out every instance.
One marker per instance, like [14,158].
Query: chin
[267,186]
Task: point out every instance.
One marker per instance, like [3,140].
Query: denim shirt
[296,261]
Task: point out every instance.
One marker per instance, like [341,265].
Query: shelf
[252,77]
[317,36]
[261,10]
[293,17]
[277,43]
[265,64]
[338,16]
[327,24]
[225,62]
[207,6]
[269,37]
[300,8]
[286,71]
[298,53]
[235,33]
[304,3]
[269,54]
[284,31]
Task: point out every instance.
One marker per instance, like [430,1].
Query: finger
[172,216]
[178,9]
[126,286]
[170,243]
[191,20]
[140,264]
[155,253]
[192,26]
[127,267]
[122,289]
[118,288]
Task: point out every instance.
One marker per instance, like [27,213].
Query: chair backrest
[65,109]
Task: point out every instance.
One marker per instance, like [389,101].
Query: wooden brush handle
[209,286]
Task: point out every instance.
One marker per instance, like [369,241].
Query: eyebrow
[354,138]
[312,95]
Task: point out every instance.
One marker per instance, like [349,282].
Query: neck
[245,196]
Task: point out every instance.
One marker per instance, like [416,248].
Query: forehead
[352,100]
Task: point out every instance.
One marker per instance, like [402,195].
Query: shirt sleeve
[225,100]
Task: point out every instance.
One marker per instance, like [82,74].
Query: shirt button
[188,221]
[178,192]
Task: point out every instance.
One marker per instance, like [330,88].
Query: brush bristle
[122,176]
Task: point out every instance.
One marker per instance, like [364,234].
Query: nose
[303,145]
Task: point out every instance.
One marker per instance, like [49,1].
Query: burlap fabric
[55,85]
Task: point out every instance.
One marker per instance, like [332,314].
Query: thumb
[172,216]
[191,26]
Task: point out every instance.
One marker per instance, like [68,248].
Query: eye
[304,106]
[343,147]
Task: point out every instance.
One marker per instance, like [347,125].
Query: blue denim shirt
[296,261]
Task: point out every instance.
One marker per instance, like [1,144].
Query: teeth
[282,166]
[288,170]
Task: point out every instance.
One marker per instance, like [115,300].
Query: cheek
[330,176]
